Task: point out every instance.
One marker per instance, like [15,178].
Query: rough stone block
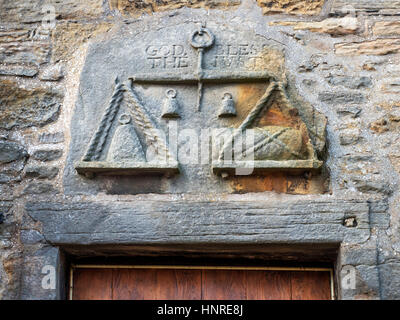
[51,138]
[349,137]
[7,227]
[299,7]
[68,37]
[391,85]
[11,151]
[367,283]
[341,97]
[27,107]
[35,11]
[358,256]
[386,28]
[31,237]
[47,155]
[390,278]
[41,172]
[52,73]
[137,7]
[35,266]
[24,46]
[372,47]
[368,6]
[352,111]
[18,71]
[332,26]
[39,188]
[374,185]
[350,82]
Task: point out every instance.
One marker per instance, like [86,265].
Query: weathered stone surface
[307,7]
[10,271]
[308,66]
[11,151]
[10,172]
[380,126]
[197,211]
[386,28]
[295,221]
[332,26]
[373,47]
[390,277]
[379,206]
[51,138]
[68,37]
[395,160]
[41,172]
[235,58]
[18,71]
[47,155]
[35,11]
[368,185]
[31,282]
[52,73]
[23,107]
[341,97]
[352,111]
[367,283]
[387,123]
[349,137]
[31,237]
[137,7]
[391,85]
[358,256]
[368,6]
[5,206]
[39,188]
[24,46]
[350,82]
[369,66]
[5,178]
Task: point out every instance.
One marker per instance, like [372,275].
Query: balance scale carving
[274,148]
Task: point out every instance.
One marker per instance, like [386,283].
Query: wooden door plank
[134,284]
[178,284]
[268,285]
[195,284]
[224,285]
[311,285]
[156,284]
[92,284]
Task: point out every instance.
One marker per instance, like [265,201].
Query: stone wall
[343,58]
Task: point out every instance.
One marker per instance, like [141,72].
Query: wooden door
[199,284]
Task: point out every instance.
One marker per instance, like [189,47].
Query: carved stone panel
[188,104]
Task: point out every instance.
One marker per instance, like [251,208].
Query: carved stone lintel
[284,136]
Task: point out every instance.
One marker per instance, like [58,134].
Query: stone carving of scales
[268,139]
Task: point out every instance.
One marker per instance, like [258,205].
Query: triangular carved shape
[120,151]
[279,139]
